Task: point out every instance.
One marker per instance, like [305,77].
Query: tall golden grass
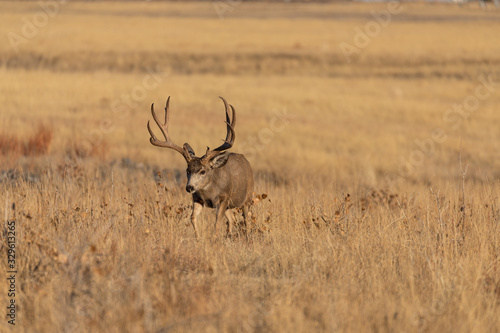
[344,239]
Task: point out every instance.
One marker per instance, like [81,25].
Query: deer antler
[168,143]
[230,135]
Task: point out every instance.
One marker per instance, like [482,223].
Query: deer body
[227,183]
[224,187]
[218,179]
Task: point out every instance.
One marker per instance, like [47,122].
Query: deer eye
[202,172]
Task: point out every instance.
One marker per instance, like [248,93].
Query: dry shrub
[37,144]
[85,149]
[9,145]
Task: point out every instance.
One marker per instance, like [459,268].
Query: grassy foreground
[370,221]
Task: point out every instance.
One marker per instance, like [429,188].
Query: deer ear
[219,160]
[190,150]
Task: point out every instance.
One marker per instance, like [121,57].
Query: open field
[370,222]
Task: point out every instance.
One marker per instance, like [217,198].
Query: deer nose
[190,189]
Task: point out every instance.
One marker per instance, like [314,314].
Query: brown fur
[224,187]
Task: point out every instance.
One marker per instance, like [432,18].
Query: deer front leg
[197,207]
[221,210]
[230,221]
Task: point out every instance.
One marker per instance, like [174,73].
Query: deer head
[200,170]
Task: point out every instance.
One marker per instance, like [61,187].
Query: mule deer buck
[219,179]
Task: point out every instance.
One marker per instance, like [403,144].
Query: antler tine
[231,124]
[168,143]
[228,142]
[230,134]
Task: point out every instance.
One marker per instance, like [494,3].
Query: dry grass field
[370,221]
